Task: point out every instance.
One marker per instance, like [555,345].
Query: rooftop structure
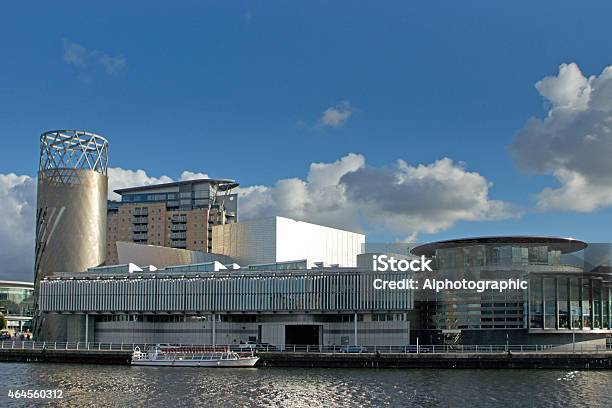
[564,245]
[278,239]
[177,215]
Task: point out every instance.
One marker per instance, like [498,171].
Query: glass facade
[16,301]
[561,296]
[578,303]
[502,255]
[186,197]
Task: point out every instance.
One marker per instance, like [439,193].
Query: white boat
[159,356]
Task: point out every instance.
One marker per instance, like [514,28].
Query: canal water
[124,386]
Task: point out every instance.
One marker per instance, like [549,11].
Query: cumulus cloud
[319,199]
[573,142]
[337,116]
[122,178]
[87,61]
[403,199]
[18,213]
[188,175]
[17,219]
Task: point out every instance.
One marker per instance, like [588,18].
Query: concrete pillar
[86,328]
[214,330]
[355,319]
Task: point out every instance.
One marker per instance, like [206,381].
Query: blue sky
[238,89]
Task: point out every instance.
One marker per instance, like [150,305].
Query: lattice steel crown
[73,149]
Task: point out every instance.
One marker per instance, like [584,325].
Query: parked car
[249,345]
[353,349]
[266,347]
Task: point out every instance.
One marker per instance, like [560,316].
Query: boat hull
[243,362]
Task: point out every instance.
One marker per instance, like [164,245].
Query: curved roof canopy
[565,245]
[221,184]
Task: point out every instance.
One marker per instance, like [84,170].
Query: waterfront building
[278,239]
[279,304]
[179,268]
[282,303]
[17,304]
[177,215]
[71,210]
[567,300]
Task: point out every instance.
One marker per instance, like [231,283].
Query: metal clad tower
[71,208]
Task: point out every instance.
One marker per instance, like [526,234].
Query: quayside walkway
[410,356]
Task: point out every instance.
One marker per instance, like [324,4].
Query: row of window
[569,303]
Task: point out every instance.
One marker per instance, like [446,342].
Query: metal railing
[302,348]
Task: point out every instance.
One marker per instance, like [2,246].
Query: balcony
[178,244]
[140,220]
[139,237]
[179,219]
[178,227]
[178,235]
[140,228]
[141,211]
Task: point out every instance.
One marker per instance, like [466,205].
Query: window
[536,303]
[550,305]
[575,307]
[596,304]
[563,303]
[586,304]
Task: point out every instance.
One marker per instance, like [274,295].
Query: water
[125,386]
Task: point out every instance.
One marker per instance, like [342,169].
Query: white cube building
[278,239]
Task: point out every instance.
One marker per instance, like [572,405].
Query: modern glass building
[568,296]
[17,304]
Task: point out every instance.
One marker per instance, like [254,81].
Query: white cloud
[337,116]
[573,142]
[112,65]
[320,198]
[87,61]
[403,199]
[121,178]
[74,54]
[188,175]
[18,213]
[17,219]
[347,194]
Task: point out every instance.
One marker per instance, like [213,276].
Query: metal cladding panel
[254,293]
[316,243]
[71,212]
[279,239]
[70,230]
[71,223]
[251,242]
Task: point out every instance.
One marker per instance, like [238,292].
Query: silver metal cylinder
[71,208]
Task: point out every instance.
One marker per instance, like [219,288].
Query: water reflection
[90,385]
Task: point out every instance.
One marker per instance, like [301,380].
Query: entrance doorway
[302,334]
